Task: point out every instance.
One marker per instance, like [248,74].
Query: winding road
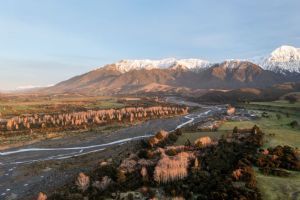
[13,161]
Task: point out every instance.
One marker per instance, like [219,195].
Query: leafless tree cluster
[82,181]
[42,196]
[159,137]
[103,184]
[172,168]
[80,119]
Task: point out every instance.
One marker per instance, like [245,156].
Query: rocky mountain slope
[226,75]
[249,94]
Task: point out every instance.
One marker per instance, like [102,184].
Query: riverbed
[23,169]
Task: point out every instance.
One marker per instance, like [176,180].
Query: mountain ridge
[284,59]
[226,75]
[178,75]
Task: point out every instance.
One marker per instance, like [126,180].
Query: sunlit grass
[273,187]
[284,133]
[16,106]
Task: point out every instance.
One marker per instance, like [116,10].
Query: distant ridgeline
[77,120]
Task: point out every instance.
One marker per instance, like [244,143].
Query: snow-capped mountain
[232,63]
[131,76]
[190,64]
[285,59]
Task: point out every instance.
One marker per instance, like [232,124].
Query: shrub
[42,196]
[173,137]
[265,114]
[144,174]
[291,99]
[278,116]
[255,130]
[203,142]
[171,152]
[143,154]
[235,129]
[82,182]
[105,183]
[187,143]
[121,177]
[294,124]
[153,141]
[171,169]
[178,132]
[161,135]
[128,165]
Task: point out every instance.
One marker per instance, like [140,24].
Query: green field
[279,103]
[277,188]
[11,106]
[273,187]
[280,106]
[284,133]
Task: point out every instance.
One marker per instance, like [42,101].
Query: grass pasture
[280,106]
[278,188]
[13,105]
[273,187]
[280,103]
[277,131]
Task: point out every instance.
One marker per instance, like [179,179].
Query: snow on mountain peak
[285,54]
[191,64]
[282,60]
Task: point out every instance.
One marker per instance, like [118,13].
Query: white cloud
[27,87]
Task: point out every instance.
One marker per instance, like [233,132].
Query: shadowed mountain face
[239,74]
[250,94]
[227,75]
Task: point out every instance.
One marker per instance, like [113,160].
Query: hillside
[250,94]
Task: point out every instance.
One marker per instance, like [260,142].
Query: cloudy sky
[44,42]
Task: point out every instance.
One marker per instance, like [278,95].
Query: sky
[45,42]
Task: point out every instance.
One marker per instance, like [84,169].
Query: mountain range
[186,75]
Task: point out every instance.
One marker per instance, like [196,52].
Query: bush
[143,154]
[265,114]
[235,129]
[171,152]
[278,116]
[178,132]
[121,177]
[291,99]
[82,182]
[294,124]
[173,137]
[161,135]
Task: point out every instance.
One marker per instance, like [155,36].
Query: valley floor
[54,162]
[25,179]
